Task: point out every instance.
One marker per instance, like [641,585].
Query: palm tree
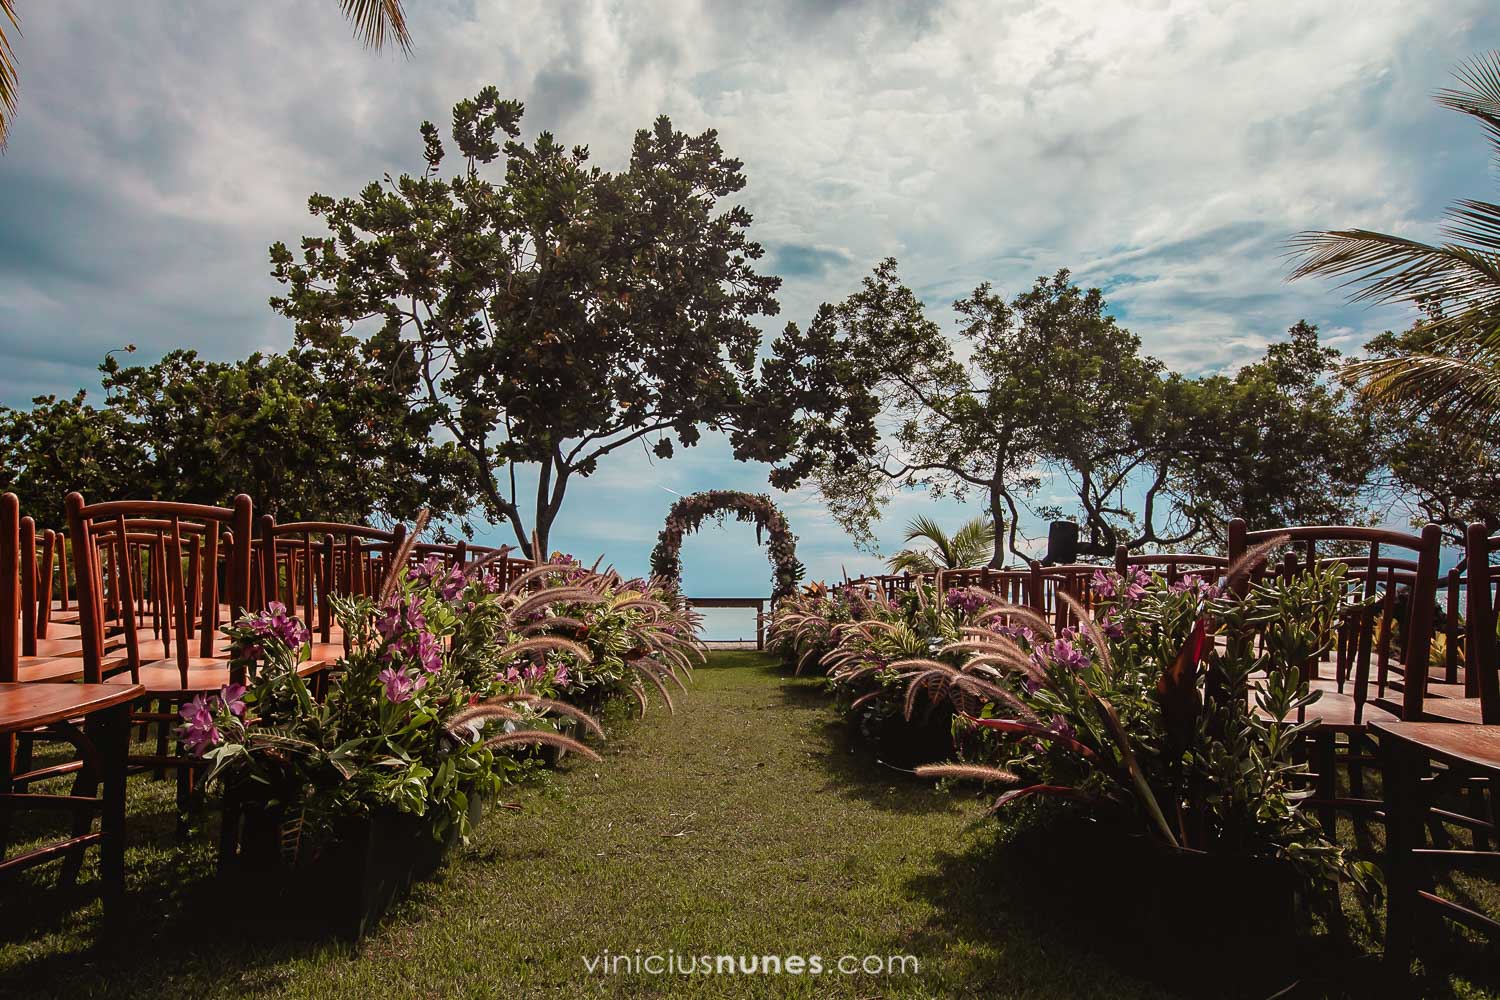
[969,546]
[375,21]
[7,67]
[1455,381]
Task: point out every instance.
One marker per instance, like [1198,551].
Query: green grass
[746,824]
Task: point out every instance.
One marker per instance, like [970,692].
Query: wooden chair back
[137,559]
[1481,663]
[1398,568]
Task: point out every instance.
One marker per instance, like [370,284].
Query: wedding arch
[689,513]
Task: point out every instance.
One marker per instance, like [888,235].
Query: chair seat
[31,706]
[164,677]
[1336,711]
[327,652]
[34,669]
[57,648]
[1452,710]
[156,649]
[1472,746]
[59,631]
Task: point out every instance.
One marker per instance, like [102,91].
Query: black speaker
[1062,544]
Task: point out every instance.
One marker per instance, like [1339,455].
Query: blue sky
[1163,150]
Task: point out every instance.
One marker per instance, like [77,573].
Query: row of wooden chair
[121,618]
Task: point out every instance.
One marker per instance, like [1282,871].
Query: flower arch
[689,513]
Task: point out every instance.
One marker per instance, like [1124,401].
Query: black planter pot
[369,864]
[925,738]
[1170,915]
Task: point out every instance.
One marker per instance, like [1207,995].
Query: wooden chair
[1403,590]
[1172,566]
[93,718]
[1414,755]
[116,535]
[305,564]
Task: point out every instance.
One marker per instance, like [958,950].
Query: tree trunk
[997,514]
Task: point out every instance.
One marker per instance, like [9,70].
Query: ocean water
[728,624]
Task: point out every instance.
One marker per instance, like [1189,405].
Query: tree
[1277,443]
[1424,472]
[883,400]
[309,434]
[552,317]
[374,20]
[968,546]
[314,433]
[1453,380]
[61,445]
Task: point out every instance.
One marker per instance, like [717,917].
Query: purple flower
[430,652]
[234,698]
[1195,584]
[399,686]
[1104,584]
[1135,588]
[198,731]
[511,676]
[1065,654]
[401,616]
[560,677]
[426,571]
[965,600]
[1111,627]
[1061,726]
[453,584]
[1014,631]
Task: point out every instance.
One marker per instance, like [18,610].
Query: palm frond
[1479,95]
[1454,392]
[972,542]
[1394,269]
[376,21]
[7,68]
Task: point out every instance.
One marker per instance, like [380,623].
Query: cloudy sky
[1162,150]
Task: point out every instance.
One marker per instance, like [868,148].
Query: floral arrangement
[689,513]
[416,717]
[1171,708]
[448,672]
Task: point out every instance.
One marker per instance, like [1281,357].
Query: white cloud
[1162,149]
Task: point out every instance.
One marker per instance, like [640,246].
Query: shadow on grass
[1024,891]
[182,934]
[855,769]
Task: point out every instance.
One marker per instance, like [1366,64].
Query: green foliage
[1047,375]
[1050,381]
[1276,443]
[311,434]
[553,314]
[968,546]
[61,445]
[1425,471]
[1452,380]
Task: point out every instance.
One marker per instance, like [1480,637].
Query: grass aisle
[743,826]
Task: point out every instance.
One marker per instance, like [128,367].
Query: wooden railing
[758,603]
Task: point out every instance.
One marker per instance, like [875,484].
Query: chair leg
[1356,767]
[7,768]
[164,707]
[1403,835]
[1323,763]
[1480,809]
[110,734]
[85,785]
